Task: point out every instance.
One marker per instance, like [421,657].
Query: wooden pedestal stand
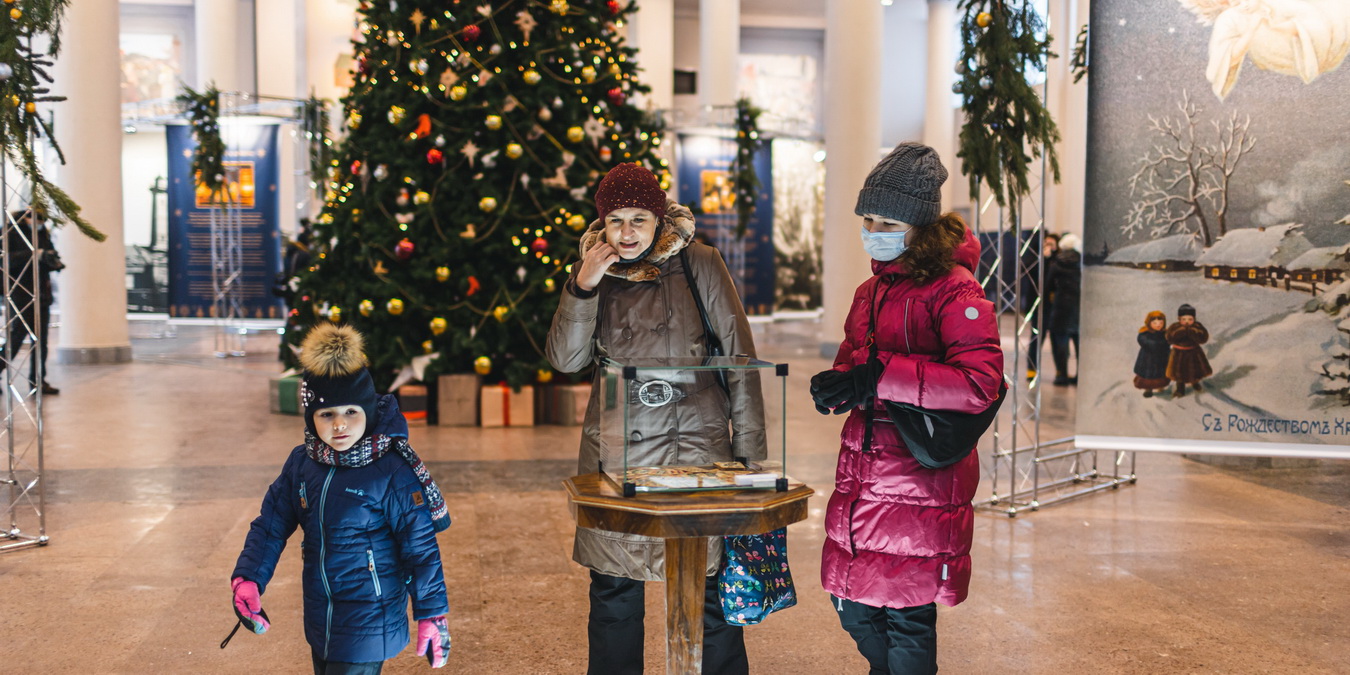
[685,520]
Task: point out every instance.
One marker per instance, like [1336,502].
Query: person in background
[1033,281]
[1064,282]
[29,316]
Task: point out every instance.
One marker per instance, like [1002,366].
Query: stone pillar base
[93,355]
[1248,462]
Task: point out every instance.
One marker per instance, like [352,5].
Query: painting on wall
[151,66]
[1217,232]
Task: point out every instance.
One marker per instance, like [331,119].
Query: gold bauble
[482,365]
[514,151]
[395,306]
[588,74]
[531,76]
[421,197]
[428,347]
[458,92]
[438,326]
[396,114]
[544,375]
[354,120]
[30,107]
[576,221]
[559,7]
[335,314]
[550,285]
[493,122]
[14,100]
[487,204]
[575,134]
[442,273]
[983,19]
[15,14]
[500,311]
[615,70]
[366,307]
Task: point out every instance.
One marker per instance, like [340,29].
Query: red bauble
[473,285]
[616,96]
[434,156]
[471,32]
[363,65]
[404,249]
[614,6]
[356,167]
[539,245]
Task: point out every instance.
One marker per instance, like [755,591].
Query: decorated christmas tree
[475,136]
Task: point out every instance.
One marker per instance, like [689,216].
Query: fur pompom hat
[334,361]
[630,184]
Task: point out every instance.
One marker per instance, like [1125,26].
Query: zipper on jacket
[908,349]
[374,573]
[304,503]
[323,551]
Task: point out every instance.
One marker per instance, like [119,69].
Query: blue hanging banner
[705,186]
[252,171]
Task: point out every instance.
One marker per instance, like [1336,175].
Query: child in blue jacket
[370,512]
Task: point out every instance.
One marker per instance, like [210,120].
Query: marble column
[279,23]
[92,288]
[719,34]
[939,120]
[853,38]
[652,32]
[216,31]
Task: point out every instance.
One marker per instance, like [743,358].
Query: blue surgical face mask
[883,246]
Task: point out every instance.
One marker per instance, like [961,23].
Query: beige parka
[643,310]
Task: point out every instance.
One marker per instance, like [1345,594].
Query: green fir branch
[744,181]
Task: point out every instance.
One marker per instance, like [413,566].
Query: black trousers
[29,317]
[616,633]
[1059,349]
[322,667]
[894,641]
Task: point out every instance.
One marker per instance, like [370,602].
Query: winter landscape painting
[1217,231]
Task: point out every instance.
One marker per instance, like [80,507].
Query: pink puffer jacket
[897,534]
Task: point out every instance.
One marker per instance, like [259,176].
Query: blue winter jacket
[368,545]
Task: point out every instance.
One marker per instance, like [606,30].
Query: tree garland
[1007,124]
[315,127]
[744,181]
[1078,63]
[208,160]
[24,81]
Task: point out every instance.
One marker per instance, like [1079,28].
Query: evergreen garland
[315,127]
[1007,124]
[1079,61]
[744,181]
[24,81]
[208,160]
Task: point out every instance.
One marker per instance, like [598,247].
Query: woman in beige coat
[627,298]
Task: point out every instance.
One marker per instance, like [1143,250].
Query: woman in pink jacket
[921,332]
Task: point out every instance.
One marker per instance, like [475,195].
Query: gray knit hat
[905,186]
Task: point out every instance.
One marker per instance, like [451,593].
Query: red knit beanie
[628,185]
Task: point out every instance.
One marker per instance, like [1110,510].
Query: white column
[853,36]
[216,24]
[719,62]
[279,23]
[652,32]
[329,28]
[939,127]
[93,286]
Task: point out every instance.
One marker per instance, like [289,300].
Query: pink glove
[433,639]
[248,605]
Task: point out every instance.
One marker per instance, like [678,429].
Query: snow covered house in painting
[1323,266]
[1176,253]
[1258,255]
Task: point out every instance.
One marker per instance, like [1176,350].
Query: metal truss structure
[25,309]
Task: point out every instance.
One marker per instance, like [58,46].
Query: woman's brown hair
[929,254]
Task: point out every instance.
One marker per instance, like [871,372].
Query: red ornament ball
[614,6]
[471,32]
[616,96]
[539,245]
[404,249]
[434,156]
[356,167]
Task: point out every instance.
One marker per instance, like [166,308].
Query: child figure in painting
[1187,363]
[1150,367]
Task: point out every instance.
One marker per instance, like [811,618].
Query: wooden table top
[596,503]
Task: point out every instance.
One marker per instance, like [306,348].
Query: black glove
[840,392]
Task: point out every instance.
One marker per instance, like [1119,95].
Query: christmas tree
[475,136]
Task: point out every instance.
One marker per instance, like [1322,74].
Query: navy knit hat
[1185,310]
[905,186]
[335,373]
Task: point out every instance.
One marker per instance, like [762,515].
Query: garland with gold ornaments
[1007,125]
[208,160]
[744,181]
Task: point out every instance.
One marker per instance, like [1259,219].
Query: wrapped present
[502,406]
[284,395]
[568,404]
[457,400]
[412,402]
[543,403]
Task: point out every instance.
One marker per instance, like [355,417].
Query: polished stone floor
[156,467]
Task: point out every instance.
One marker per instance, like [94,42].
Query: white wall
[144,156]
[903,77]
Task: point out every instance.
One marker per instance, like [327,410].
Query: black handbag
[941,438]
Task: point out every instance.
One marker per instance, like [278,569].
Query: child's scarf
[373,447]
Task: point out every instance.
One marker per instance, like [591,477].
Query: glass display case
[689,424]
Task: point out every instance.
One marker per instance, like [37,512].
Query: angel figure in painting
[1305,38]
